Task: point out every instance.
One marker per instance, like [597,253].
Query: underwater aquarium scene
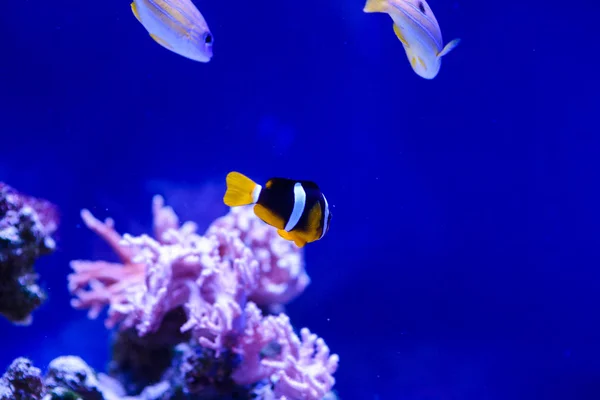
[322,200]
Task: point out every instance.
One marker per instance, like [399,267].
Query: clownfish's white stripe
[299,203]
[325,217]
[256,193]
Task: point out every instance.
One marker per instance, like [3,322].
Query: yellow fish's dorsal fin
[373,6]
[161,42]
[400,36]
[268,216]
[135,11]
[449,47]
[241,190]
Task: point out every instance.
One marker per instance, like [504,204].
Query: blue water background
[462,260]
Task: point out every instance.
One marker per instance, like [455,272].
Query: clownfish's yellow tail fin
[241,190]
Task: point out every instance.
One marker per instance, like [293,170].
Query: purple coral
[282,276]
[26,226]
[218,278]
[302,369]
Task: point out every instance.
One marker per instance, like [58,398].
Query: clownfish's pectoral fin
[400,35]
[268,216]
[300,243]
[286,235]
[449,47]
[241,190]
[292,237]
[373,6]
[310,233]
[161,42]
[135,11]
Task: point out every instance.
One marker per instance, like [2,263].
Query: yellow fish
[418,30]
[176,25]
[298,209]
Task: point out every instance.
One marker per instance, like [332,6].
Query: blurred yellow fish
[176,25]
[418,30]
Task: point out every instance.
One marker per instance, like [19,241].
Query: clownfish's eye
[422,7]
[208,39]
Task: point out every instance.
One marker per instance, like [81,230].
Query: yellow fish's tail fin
[241,190]
[449,47]
[373,6]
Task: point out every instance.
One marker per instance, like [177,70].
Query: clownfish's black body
[297,209]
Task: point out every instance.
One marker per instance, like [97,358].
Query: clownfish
[418,30]
[177,25]
[297,209]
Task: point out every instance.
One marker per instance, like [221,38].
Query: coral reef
[213,288]
[26,226]
[67,378]
[22,381]
[70,378]
[140,361]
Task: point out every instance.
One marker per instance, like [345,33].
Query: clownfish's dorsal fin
[279,183]
[309,185]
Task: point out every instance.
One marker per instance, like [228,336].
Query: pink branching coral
[219,278]
[282,276]
[303,368]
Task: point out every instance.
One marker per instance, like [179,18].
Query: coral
[216,278]
[68,378]
[282,274]
[140,361]
[74,375]
[22,381]
[198,371]
[280,277]
[300,368]
[26,226]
